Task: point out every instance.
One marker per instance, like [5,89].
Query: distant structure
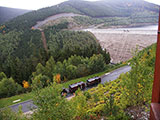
[155,105]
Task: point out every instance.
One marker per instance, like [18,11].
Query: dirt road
[44,41]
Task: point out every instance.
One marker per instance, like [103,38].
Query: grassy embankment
[4,102]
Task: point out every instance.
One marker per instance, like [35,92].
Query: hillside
[129,11]
[126,98]
[23,51]
[110,8]
[10,13]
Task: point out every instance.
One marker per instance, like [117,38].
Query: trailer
[93,81]
[74,87]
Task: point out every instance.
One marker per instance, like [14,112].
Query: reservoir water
[152,30]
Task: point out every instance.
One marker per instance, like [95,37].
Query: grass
[4,102]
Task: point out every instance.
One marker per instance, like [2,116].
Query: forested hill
[9,13]
[112,8]
[69,53]
[132,9]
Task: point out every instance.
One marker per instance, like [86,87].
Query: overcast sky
[36,4]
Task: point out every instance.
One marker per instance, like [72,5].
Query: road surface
[115,74]
[28,105]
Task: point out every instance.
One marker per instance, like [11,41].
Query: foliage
[64,44]
[23,50]
[51,105]
[40,81]
[2,75]
[130,89]
[112,8]
[26,96]
[135,9]
[137,85]
[110,108]
[21,47]
[57,78]
[74,67]
[108,100]
[8,114]
[19,51]
[9,87]
[140,19]
[25,84]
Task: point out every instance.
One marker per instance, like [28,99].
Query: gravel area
[121,43]
[138,112]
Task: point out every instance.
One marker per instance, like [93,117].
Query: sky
[37,4]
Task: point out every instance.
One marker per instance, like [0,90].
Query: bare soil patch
[121,44]
[44,41]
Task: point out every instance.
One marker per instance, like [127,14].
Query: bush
[8,87]
[40,81]
[87,95]
[96,63]
[2,75]
[137,84]
[120,116]
[8,114]
[51,106]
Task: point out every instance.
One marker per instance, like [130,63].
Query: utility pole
[155,105]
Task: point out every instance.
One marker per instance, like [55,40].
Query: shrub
[40,81]
[51,106]
[8,114]
[2,75]
[8,87]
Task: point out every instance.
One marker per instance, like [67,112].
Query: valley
[119,41]
[45,51]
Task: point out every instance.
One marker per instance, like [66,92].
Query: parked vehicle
[81,85]
[74,87]
[93,81]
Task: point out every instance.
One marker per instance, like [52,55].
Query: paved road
[28,105]
[115,74]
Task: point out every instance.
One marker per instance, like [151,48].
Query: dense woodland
[110,101]
[25,65]
[22,50]
[133,20]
